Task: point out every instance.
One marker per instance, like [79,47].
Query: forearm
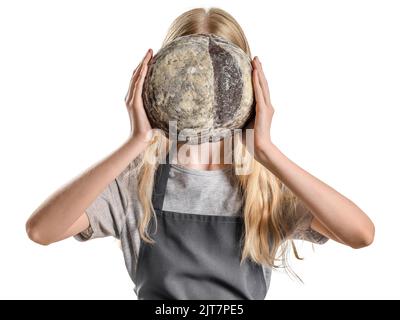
[66,205]
[334,211]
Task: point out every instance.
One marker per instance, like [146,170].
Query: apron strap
[160,184]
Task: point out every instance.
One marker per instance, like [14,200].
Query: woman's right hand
[141,131]
[63,214]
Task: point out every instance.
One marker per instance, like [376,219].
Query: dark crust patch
[228,85]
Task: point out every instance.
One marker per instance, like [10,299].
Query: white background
[334,73]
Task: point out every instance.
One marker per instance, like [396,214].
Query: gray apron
[194,256]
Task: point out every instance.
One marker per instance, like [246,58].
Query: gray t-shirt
[117,211]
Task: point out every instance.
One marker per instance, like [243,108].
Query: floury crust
[202,82]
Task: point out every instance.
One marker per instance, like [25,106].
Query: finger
[142,76]
[133,80]
[257,88]
[129,93]
[263,81]
[254,64]
[137,94]
[256,75]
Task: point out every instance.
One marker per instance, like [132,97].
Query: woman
[194,230]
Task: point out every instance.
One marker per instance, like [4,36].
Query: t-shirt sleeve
[302,227]
[107,212]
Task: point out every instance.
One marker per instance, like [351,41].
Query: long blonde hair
[268,206]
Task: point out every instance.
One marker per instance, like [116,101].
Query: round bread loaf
[203,82]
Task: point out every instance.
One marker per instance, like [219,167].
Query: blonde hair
[268,206]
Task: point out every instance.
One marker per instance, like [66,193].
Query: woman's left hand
[264,111]
[336,216]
